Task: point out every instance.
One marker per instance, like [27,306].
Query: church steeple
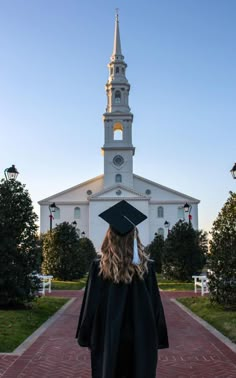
[118,148]
[117,86]
[117,45]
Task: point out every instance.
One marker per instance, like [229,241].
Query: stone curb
[31,339]
[206,325]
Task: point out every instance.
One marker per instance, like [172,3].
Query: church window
[118,192]
[117,70]
[148,191]
[123,70]
[160,212]
[89,192]
[56,214]
[111,70]
[160,231]
[118,178]
[117,97]
[76,213]
[180,214]
[118,131]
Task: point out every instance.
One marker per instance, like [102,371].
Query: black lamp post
[52,209]
[167,225]
[74,223]
[11,173]
[187,209]
[233,171]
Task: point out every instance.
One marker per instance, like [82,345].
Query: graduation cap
[123,218]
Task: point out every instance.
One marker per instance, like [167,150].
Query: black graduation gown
[122,322]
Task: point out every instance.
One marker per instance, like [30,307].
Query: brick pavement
[194,352]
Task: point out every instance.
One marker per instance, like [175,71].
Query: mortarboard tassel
[136,259]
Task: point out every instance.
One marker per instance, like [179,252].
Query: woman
[122,319]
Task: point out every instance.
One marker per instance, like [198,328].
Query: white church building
[83,203]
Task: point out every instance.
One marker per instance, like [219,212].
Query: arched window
[111,70]
[160,212]
[118,131]
[117,97]
[118,178]
[180,213]
[76,213]
[160,231]
[56,214]
[123,70]
[117,70]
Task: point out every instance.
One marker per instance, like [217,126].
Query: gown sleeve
[89,305]
[158,309]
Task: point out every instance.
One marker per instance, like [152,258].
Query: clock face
[118,160]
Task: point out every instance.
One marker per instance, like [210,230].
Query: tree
[19,248]
[155,250]
[222,258]
[65,255]
[87,253]
[184,252]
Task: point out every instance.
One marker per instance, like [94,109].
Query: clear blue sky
[181,60]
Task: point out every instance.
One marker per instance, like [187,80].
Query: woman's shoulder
[95,262]
[151,263]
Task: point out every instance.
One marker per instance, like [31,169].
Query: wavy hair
[117,255]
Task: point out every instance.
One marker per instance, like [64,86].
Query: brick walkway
[194,352]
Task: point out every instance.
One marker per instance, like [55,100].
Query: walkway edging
[38,332]
[206,325]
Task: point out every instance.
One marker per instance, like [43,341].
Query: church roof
[87,183]
[165,188]
[99,193]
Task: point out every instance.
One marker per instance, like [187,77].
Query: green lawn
[176,286]
[163,284]
[223,320]
[17,325]
[69,285]
[168,285]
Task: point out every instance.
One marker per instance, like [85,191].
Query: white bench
[202,282]
[45,283]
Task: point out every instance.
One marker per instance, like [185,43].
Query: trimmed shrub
[65,255]
[19,244]
[184,252]
[222,258]
[87,254]
[155,251]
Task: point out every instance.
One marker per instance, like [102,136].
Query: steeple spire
[117,54]
[118,148]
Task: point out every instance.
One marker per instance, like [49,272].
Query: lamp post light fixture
[83,234]
[233,171]
[74,223]
[188,209]
[52,208]
[167,225]
[11,173]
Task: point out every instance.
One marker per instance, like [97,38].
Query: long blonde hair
[117,255]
